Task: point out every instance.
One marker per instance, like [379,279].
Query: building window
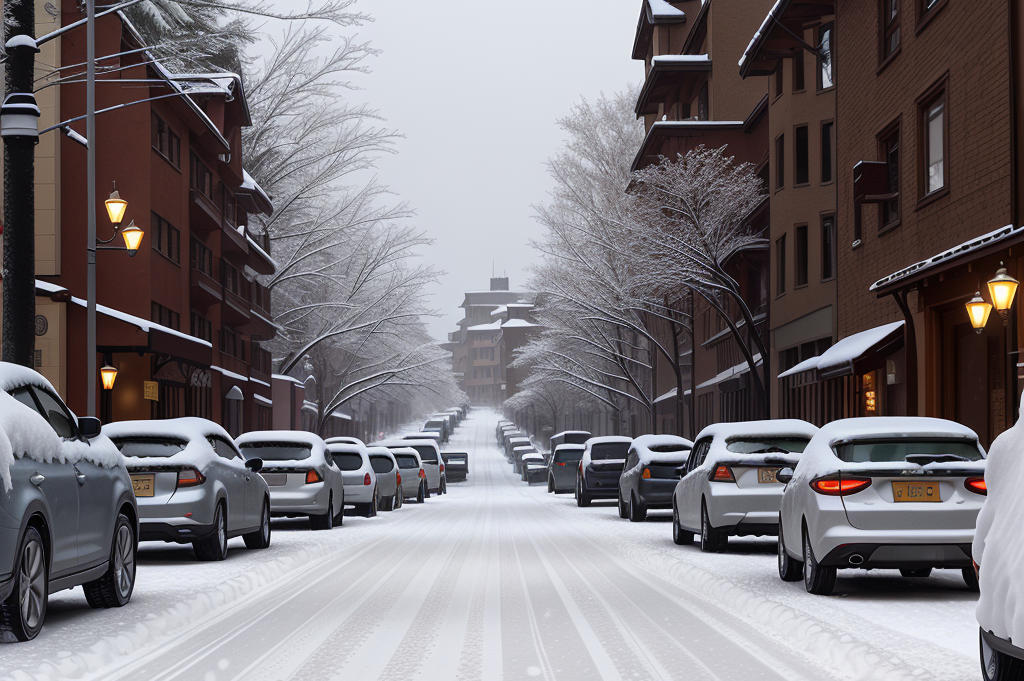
[229,278]
[200,257]
[889,147]
[780,162]
[825,56]
[890,22]
[801,256]
[227,207]
[702,103]
[200,177]
[828,247]
[933,125]
[200,327]
[800,153]
[164,316]
[780,268]
[798,72]
[166,237]
[827,144]
[165,142]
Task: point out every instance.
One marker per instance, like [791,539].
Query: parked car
[55,470]
[730,485]
[884,492]
[533,467]
[343,440]
[456,466]
[359,477]
[997,552]
[430,457]
[502,424]
[302,478]
[562,468]
[428,435]
[389,482]
[519,450]
[440,425]
[650,474]
[597,476]
[569,437]
[515,441]
[413,476]
[192,485]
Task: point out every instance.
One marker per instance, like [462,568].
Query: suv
[67,510]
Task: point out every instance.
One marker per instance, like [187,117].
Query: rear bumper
[455,474]
[1001,645]
[602,485]
[310,499]
[358,494]
[741,510]
[657,493]
[895,556]
[177,532]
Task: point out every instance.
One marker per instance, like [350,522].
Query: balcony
[204,215]
[206,290]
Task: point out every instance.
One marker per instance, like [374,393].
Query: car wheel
[818,580]
[582,498]
[371,508]
[420,494]
[551,485]
[918,573]
[114,589]
[712,540]
[637,511]
[997,666]
[25,609]
[325,521]
[622,507]
[260,539]
[214,547]
[789,570]
[680,537]
[971,579]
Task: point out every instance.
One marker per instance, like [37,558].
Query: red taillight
[722,474]
[976,485]
[646,475]
[366,479]
[312,476]
[190,477]
[398,478]
[442,468]
[423,473]
[840,487]
[559,463]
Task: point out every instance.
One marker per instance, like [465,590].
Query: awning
[861,351]
[667,73]
[712,134]
[778,36]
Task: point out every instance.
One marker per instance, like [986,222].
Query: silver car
[67,513]
[430,456]
[425,435]
[192,485]
[562,468]
[359,476]
[343,440]
[412,477]
[389,489]
[885,492]
[303,480]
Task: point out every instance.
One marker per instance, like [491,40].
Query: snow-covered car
[343,440]
[650,474]
[430,457]
[302,478]
[389,484]
[360,479]
[437,424]
[511,443]
[192,485]
[597,476]
[569,437]
[882,492]
[532,467]
[998,553]
[67,512]
[410,469]
[456,466]
[562,468]
[730,485]
[425,435]
[502,424]
[518,452]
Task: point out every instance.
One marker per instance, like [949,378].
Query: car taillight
[398,478]
[442,468]
[976,485]
[840,487]
[366,479]
[312,476]
[722,474]
[423,473]
[190,477]
[977,569]
[646,475]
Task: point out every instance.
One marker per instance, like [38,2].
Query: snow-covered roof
[572,432]
[501,309]
[263,400]
[601,439]
[392,443]
[646,447]
[517,323]
[669,395]
[967,247]
[660,9]
[251,185]
[347,448]
[195,431]
[569,445]
[229,374]
[516,449]
[493,326]
[263,254]
[762,31]
[806,365]
[846,351]
[344,439]
[681,59]
[731,372]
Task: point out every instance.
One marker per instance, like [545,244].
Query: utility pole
[19,127]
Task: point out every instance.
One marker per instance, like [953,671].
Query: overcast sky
[476,88]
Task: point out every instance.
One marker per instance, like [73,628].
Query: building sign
[151,390]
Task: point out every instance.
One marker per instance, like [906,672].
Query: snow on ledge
[660,9]
[494,326]
[760,31]
[846,351]
[682,59]
[513,323]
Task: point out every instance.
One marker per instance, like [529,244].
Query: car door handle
[37,479]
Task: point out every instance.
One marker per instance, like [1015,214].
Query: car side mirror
[784,476]
[254,464]
[89,426]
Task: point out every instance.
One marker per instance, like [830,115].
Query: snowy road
[499,580]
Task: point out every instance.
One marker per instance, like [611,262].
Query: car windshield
[767,445]
[407,461]
[380,464]
[149,446]
[347,461]
[609,450]
[914,451]
[277,451]
[427,453]
[563,455]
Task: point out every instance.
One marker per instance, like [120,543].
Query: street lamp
[978,310]
[108,375]
[132,238]
[116,206]
[1003,288]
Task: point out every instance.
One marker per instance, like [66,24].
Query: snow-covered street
[499,580]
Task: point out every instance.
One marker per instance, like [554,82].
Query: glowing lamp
[116,206]
[132,238]
[107,376]
[978,310]
[1003,288]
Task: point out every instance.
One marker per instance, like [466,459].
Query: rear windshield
[347,461]
[456,458]
[665,449]
[277,451]
[576,438]
[609,450]
[767,445]
[665,469]
[427,454]
[568,455]
[380,464]
[150,446]
[406,461]
[433,424]
[919,451]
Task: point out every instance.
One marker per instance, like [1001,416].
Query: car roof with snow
[766,428]
[14,375]
[569,446]
[374,450]
[285,437]
[572,432]
[601,439]
[346,448]
[183,428]
[343,439]
[393,443]
[655,448]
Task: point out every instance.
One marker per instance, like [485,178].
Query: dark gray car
[562,468]
[650,474]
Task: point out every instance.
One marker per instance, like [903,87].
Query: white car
[730,485]
[412,477]
[343,440]
[882,492]
[389,483]
[360,479]
[998,555]
[597,476]
[430,458]
[302,478]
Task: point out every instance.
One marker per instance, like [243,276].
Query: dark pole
[19,126]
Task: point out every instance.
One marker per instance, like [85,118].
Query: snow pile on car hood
[198,452]
[999,540]
[23,431]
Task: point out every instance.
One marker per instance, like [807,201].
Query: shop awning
[864,350]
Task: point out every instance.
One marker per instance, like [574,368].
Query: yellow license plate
[143,485]
[767,475]
[927,492]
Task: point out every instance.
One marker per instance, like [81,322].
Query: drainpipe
[910,350]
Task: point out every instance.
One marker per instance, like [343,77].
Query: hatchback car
[68,516]
[534,468]
[410,470]
[514,441]
[426,435]
[650,474]
[430,458]
[438,424]
[302,478]
[389,483]
[883,492]
[597,476]
[562,468]
[456,466]
[193,486]
[360,479]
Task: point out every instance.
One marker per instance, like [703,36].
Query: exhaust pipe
[856,559]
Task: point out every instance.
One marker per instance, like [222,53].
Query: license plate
[915,492]
[143,485]
[767,475]
[275,479]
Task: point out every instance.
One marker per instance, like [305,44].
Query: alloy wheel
[124,561]
[32,580]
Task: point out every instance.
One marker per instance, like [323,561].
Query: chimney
[499,283]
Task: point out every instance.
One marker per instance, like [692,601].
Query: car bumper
[453,474]
[657,493]
[565,480]
[309,500]
[358,494]
[178,531]
[200,505]
[602,485]
[901,548]
[1002,645]
[744,511]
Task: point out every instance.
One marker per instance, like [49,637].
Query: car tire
[997,666]
[426,490]
[420,494]
[971,580]
[399,498]
[818,580]
[24,611]
[712,540]
[637,511]
[325,521]
[919,573]
[680,537]
[623,513]
[551,485]
[789,570]
[214,547]
[260,538]
[582,498]
[371,508]
[114,589]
